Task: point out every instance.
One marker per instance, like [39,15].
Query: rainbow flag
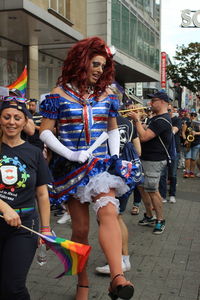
[21,82]
[73,255]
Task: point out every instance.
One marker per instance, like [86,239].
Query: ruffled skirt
[95,177]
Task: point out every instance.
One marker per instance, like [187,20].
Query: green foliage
[186,69]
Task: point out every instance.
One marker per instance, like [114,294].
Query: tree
[186,70]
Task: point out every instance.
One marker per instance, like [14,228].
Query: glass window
[49,71]
[140,42]
[11,62]
[116,7]
[133,34]
[125,29]
[59,6]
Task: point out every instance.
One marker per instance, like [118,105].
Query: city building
[38,33]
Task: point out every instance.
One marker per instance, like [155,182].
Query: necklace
[89,91]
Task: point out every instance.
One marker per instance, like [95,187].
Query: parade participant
[34,139]
[29,128]
[24,177]
[84,107]
[154,157]
[170,171]
[191,137]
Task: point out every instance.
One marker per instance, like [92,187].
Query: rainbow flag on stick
[21,82]
[72,255]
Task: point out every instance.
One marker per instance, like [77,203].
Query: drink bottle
[42,255]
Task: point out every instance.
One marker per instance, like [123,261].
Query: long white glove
[114,142]
[54,144]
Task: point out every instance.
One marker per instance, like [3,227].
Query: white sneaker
[172,199]
[66,217]
[106,269]
[198,174]
[164,200]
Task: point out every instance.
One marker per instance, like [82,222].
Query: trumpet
[125,112]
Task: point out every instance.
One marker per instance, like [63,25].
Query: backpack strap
[131,133]
[167,152]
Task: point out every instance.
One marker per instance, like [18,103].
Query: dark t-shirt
[153,150]
[22,169]
[176,122]
[34,139]
[196,137]
[126,130]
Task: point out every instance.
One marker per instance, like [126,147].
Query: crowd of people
[46,158]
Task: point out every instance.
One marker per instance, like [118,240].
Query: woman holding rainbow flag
[24,175]
[83,108]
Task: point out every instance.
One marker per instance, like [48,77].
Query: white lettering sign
[190,18]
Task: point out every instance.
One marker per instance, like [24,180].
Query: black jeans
[17,250]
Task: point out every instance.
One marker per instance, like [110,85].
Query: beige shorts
[152,173]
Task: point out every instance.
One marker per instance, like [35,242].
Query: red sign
[163,69]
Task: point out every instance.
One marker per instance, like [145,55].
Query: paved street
[165,267]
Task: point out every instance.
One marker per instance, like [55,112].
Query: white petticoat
[101,183]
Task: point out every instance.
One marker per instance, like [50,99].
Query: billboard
[163,70]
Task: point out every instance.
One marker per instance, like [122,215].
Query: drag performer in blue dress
[83,107]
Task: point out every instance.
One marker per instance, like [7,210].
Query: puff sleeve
[114,106]
[49,108]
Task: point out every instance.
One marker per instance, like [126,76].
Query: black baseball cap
[14,104]
[126,100]
[160,95]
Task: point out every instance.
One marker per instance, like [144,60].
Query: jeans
[169,172]
[137,197]
[193,152]
[17,250]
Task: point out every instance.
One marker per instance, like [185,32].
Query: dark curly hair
[76,65]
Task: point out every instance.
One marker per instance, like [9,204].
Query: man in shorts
[154,158]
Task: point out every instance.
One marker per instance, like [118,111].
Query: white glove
[55,145]
[114,142]
[80,156]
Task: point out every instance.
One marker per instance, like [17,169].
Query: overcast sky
[172,33]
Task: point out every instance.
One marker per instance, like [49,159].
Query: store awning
[27,24]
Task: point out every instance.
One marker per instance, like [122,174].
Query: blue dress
[79,124]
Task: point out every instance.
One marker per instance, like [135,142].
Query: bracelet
[45,230]
[135,121]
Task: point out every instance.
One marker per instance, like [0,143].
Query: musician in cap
[154,157]
[191,137]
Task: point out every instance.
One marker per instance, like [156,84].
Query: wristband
[45,230]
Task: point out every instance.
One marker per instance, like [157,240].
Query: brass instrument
[125,112]
[189,138]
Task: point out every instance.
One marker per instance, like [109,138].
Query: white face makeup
[96,69]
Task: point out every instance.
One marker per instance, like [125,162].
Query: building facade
[38,33]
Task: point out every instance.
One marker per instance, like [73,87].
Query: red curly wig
[76,65]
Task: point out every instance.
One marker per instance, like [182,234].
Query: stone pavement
[164,267]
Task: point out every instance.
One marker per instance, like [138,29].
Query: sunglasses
[14,98]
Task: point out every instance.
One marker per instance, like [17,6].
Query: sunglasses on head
[14,98]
